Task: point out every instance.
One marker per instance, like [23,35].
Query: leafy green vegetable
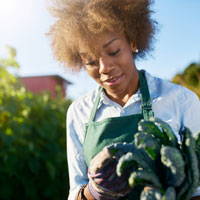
[188,149]
[165,168]
[173,160]
[170,194]
[150,193]
[143,177]
[149,143]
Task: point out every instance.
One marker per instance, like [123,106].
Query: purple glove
[104,184]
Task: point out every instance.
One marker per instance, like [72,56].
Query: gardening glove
[104,183]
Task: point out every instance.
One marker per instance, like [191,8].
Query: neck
[121,100]
[123,97]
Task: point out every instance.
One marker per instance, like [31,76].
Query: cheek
[127,58]
[93,74]
[127,64]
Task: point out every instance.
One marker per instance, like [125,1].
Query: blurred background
[35,90]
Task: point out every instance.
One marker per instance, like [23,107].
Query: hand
[103,180]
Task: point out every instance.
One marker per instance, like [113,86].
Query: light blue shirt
[172,103]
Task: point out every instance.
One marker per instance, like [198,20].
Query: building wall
[41,84]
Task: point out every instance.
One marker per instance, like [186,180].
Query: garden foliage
[33,162]
[189,78]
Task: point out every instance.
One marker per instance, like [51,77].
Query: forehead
[96,44]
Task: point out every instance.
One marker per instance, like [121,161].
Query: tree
[33,162]
[190,78]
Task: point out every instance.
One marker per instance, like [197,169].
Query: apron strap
[96,103]
[145,97]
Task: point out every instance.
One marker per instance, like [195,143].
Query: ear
[134,47]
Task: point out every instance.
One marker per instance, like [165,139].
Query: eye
[92,63]
[114,52]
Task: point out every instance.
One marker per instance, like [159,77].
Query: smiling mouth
[113,80]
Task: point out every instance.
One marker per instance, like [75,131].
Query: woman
[105,37]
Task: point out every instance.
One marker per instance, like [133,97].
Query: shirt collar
[104,99]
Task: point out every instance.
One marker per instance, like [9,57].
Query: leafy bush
[33,162]
[189,78]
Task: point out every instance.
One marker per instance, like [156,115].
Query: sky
[24,24]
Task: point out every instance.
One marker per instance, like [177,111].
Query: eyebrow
[104,46]
[109,42]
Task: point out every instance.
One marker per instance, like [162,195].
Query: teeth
[112,79]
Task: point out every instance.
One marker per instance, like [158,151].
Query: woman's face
[114,69]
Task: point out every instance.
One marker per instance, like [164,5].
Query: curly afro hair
[80,21]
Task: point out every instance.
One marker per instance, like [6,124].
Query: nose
[105,65]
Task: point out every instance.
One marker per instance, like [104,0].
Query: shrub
[33,162]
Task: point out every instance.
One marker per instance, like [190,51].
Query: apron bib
[116,129]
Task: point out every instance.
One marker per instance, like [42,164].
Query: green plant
[33,162]
[189,78]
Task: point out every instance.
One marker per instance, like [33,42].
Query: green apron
[116,129]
